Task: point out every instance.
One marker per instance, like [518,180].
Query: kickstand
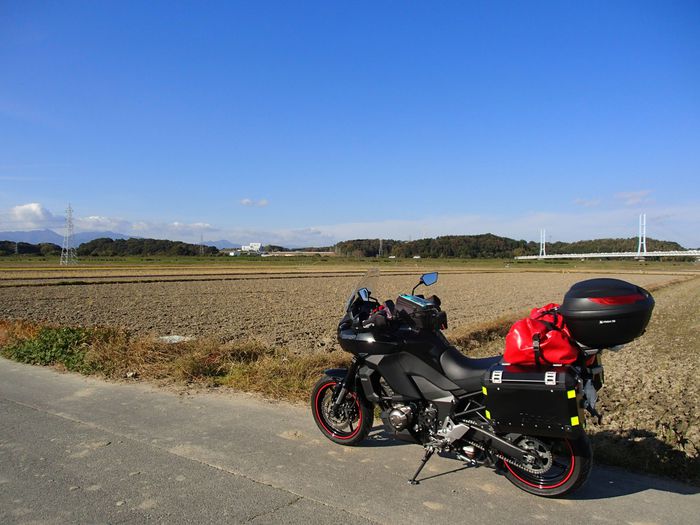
[428,454]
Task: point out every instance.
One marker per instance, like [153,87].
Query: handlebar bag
[541,338]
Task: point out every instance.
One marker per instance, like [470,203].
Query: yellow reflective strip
[488,415]
[571,394]
[483,389]
[574,421]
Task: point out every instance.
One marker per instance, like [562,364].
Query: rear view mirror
[426,279]
[429,278]
[364,294]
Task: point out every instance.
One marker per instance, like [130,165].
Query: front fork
[342,391]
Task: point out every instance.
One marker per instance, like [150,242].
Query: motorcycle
[527,422]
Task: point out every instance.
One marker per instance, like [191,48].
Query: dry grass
[249,366]
[13,330]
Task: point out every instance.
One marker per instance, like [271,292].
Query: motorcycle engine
[427,418]
[400,417]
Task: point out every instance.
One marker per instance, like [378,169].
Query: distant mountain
[33,237]
[50,236]
[82,237]
[223,243]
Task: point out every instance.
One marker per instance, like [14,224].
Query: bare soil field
[296,310]
[651,399]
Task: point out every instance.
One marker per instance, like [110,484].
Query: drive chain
[500,455]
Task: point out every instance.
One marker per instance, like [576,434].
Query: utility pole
[380,248]
[68,255]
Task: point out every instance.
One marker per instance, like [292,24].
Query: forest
[484,246]
[489,246]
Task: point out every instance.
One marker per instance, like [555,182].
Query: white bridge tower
[642,246]
[543,241]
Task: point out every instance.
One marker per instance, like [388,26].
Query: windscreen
[368,280]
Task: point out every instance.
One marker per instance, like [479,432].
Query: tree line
[44,249]
[489,246]
[451,246]
[106,247]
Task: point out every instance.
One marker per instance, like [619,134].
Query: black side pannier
[534,401]
[602,313]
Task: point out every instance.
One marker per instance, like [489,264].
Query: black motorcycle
[526,422]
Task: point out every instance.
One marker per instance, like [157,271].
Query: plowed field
[296,310]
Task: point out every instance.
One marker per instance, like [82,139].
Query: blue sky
[307,123]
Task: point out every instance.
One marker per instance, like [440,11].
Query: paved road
[79,450]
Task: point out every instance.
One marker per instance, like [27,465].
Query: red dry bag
[542,338]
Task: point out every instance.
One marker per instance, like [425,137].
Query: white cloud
[632,198]
[32,216]
[188,229]
[675,223]
[261,203]
[100,223]
[175,230]
[571,226]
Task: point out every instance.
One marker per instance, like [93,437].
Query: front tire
[353,419]
[564,466]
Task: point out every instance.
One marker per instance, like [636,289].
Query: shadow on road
[646,452]
[610,482]
[604,482]
[378,437]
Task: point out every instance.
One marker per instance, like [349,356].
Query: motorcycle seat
[464,371]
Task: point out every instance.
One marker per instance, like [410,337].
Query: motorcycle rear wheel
[350,424]
[565,467]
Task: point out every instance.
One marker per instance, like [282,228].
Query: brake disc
[345,412]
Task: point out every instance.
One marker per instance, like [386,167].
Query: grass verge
[116,354]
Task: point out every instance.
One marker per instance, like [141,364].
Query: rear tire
[565,470]
[354,417]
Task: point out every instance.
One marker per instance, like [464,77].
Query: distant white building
[253,247]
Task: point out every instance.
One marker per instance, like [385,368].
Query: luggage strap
[536,348]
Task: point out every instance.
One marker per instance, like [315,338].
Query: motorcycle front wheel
[562,466]
[349,423]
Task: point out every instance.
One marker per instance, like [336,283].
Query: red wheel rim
[543,485]
[320,417]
